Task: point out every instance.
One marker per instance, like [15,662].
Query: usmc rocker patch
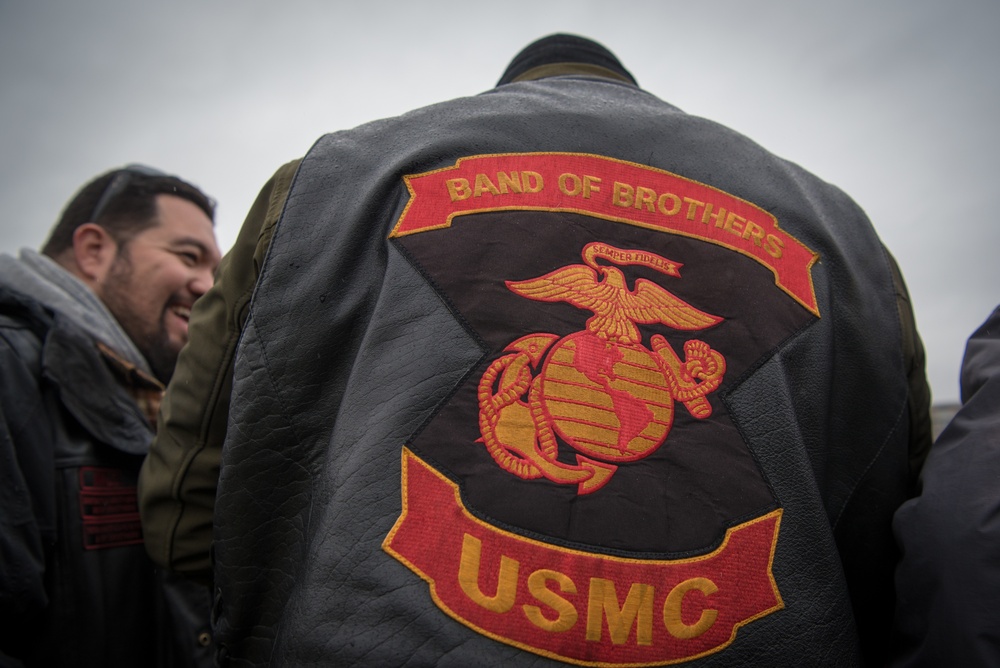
[585,494]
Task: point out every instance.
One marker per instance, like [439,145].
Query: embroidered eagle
[604,291]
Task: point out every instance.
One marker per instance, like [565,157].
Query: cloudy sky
[895,101]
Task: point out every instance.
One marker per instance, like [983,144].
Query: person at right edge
[948,578]
[552,374]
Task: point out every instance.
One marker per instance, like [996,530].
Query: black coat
[76,585]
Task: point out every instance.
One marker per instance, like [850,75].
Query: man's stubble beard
[151,340]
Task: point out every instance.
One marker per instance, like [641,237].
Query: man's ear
[94,251]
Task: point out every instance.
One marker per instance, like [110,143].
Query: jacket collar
[569,69]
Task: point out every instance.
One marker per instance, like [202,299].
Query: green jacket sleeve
[179,478]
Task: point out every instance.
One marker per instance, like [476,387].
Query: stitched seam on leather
[871,462]
[901,358]
[461,321]
[750,371]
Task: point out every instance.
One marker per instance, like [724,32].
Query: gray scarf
[40,278]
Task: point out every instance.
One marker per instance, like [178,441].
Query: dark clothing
[949,577]
[179,477]
[76,584]
[384,332]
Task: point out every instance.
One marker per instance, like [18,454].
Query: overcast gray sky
[897,102]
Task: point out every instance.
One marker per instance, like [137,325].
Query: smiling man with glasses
[90,330]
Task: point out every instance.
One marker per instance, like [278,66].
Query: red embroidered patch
[555,499]
[109,508]
[587,609]
[601,390]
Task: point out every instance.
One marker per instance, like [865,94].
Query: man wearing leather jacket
[90,329]
[555,373]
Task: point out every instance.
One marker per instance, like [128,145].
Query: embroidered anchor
[599,390]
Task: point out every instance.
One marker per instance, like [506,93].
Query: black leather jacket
[560,372]
[76,586]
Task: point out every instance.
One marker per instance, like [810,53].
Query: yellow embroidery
[600,390]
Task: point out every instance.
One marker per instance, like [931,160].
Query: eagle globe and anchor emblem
[601,390]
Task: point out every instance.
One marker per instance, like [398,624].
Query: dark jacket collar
[569,69]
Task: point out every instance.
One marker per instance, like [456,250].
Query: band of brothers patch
[585,494]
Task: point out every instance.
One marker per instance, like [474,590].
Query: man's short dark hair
[124,201]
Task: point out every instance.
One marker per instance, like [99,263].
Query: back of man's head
[555,54]
[123,202]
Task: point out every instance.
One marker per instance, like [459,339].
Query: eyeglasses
[118,184]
